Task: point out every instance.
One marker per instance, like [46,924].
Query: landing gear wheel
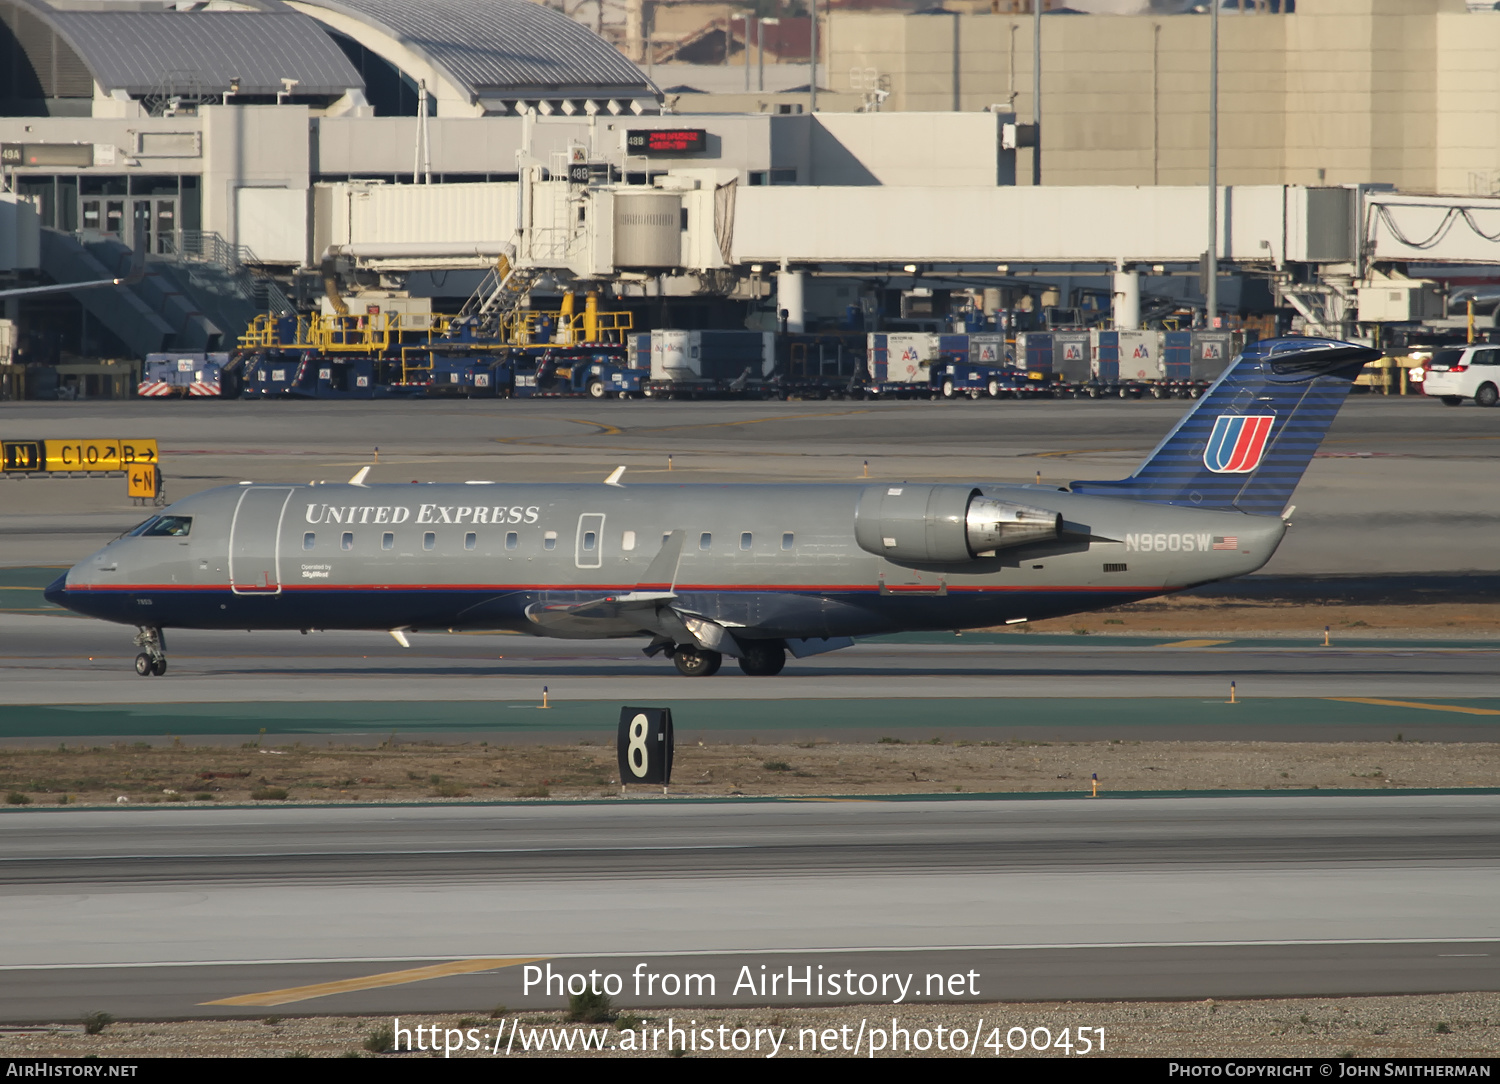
[153,660]
[695,662]
[763,659]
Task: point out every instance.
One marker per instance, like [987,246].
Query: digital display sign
[13,155]
[666,142]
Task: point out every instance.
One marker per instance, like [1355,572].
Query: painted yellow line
[604,428]
[1196,643]
[372,982]
[1413,704]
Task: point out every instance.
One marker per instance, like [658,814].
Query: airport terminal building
[259,150]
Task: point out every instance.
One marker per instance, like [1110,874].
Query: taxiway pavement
[229,911]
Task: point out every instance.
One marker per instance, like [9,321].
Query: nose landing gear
[153,660]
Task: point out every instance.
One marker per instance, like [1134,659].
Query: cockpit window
[140,528]
[169,526]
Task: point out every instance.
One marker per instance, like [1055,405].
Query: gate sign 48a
[645,745]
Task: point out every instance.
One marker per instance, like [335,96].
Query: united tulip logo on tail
[1237,444]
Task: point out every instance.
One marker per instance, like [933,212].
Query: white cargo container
[909,357]
[1118,356]
[698,356]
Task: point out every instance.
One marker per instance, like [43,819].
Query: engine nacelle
[936,524]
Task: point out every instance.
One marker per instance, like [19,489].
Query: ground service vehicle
[1459,373]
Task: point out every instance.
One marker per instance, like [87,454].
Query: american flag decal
[1227,542]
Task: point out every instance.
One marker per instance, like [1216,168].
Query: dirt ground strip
[1418,1026]
[1185,614]
[142,774]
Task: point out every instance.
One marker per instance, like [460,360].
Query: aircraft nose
[56,591]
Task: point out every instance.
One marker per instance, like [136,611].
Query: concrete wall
[1363,90]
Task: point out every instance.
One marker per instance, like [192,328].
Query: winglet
[614,478]
[359,478]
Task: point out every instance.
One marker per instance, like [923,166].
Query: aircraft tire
[1487,395]
[763,659]
[695,662]
[159,667]
[143,665]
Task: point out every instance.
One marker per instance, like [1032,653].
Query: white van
[1464,372]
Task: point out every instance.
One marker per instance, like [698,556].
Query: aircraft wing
[646,607]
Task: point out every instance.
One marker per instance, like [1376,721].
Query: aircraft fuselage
[771,560]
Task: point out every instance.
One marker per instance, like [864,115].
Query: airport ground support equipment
[712,364]
[187,376]
[1098,364]
[926,365]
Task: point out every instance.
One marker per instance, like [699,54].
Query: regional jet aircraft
[750,571]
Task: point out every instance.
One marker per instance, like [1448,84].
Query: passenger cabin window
[169,527]
[786,541]
[347,541]
[470,540]
[745,540]
[429,541]
[512,540]
[705,541]
[627,541]
[549,540]
[309,540]
[387,541]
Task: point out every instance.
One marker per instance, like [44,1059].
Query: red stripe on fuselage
[576,588]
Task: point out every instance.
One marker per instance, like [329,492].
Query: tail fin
[1246,444]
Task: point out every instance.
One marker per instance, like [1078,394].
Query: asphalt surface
[166,913]
[68,677]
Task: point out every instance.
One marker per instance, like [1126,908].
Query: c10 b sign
[645,745]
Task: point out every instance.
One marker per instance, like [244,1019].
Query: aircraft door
[254,557]
[588,551]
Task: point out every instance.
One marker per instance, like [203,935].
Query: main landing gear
[694,661]
[153,660]
[762,658]
[758,658]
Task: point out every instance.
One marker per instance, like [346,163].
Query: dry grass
[142,773]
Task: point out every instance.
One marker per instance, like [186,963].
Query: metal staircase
[499,295]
